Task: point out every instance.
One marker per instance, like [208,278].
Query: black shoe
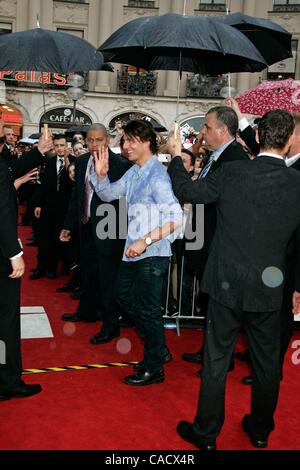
[144,377]
[231,368]
[259,443]
[21,391]
[167,358]
[32,244]
[75,317]
[102,337]
[65,288]
[38,274]
[76,294]
[243,356]
[247,380]
[125,323]
[52,275]
[187,433]
[197,357]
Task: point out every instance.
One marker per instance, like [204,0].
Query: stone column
[172,77]
[105,26]
[244,79]
[46,18]
[34,10]
[22,15]
[93,33]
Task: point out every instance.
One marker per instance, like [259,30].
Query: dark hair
[59,136]
[227,116]
[274,129]
[142,130]
[191,154]
[122,141]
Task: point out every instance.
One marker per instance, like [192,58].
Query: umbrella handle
[46,130]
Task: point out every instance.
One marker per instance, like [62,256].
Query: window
[286,5]
[215,5]
[141,3]
[75,32]
[5,28]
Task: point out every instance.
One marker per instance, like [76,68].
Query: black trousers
[263,333]
[138,291]
[10,342]
[98,279]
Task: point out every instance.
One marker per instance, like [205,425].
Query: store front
[12,117]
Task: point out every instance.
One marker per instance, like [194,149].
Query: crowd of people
[116,220]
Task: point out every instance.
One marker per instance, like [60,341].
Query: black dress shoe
[76,294]
[75,317]
[38,274]
[167,358]
[21,391]
[231,368]
[32,244]
[197,357]
[248,380]
[144,377]
[52,275]
[187,433]
[102,337]
[257,442]
[65,288]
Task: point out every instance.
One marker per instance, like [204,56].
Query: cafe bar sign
[46,78]
[65,116]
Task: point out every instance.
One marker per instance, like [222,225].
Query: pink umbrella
[269,95]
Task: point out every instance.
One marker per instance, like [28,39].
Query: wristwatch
[148,241]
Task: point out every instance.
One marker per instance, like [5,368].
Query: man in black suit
[99,259]
[219,132]
[11,270]
[293,161]
[257,214]
[51,204]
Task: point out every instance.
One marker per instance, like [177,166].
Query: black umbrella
[47,51]
[272,41]
[184,43]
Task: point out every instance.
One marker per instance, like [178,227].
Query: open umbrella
[269,95]
[272,41]
[184,43]
[42,50]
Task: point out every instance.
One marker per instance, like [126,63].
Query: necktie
[88,194]
[207,167]
[60,171]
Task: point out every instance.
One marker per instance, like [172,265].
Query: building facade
[126,92]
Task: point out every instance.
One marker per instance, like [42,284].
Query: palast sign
[46,78]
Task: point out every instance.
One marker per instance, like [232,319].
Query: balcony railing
[204,86]
[212,6]
[137,84]
[286,7]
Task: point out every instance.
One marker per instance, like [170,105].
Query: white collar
[290,161]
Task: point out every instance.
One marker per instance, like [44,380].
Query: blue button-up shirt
[150,203]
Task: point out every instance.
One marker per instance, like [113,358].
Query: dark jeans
[138,291]
[263,332]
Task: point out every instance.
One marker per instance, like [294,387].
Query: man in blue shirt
[154,214]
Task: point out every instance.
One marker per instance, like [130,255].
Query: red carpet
[93,409]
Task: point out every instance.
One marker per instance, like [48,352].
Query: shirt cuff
[17,256]
[98,185]
[243,124]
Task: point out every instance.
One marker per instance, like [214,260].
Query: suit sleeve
[71,218]
[197,192]
[9,244]
[26,163]
[248,136]
[297,273]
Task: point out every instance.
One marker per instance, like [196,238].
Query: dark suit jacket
[196,260]
[54,203]
[117,167]
[9,245]
[257,214]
